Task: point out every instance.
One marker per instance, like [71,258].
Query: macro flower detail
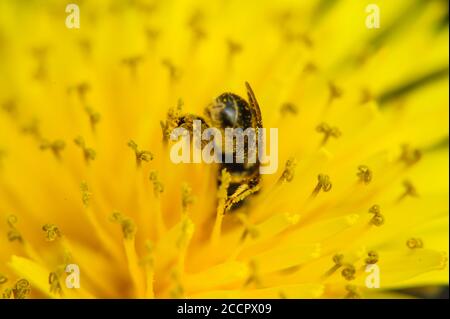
[86,177]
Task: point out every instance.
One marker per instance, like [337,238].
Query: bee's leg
[243,191]
[187,121]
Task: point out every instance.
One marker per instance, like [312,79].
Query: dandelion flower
[86,178]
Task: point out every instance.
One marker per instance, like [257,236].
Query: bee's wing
[254,105]
[256,114]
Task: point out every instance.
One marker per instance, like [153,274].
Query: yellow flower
[86,178]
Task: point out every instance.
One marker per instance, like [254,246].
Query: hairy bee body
[229,110]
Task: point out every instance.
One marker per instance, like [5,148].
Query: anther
[186,196]
[21,289]
[414,243]
[10,107]
[128,226]
[410,155]
[56,147]
[335,92]
[85,194]
[145,156]
[249,230]
[172,120]
[152,35]
[233,48]
[364,174]
[352,292]
[174,73]
[372,258]
[348,272]
[132,64]
[254,275]
[52,232]
[13,233]
[323,184]
[410,190]
[328,132]
[158,187]
[338,260]
[288,108]
[289,170]
[195,23]
[378,218]
[32,128]
[3,279]
[94,117]
[81,89]
[148,259]
[55,286]
[89,153]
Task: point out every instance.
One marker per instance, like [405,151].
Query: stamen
[145,156]
[364,174]
[174,72]
[366,96]
[338,260]
[3,279]
[40,55]
[172,120]
[55,286]
[128,226]
[352,292]
[328,132]
[56,147]
[89,153]
[410,155]
[249,229]
[52,232]
[21,289]
[335,92]
[289,170]
[414,243]
[195,24]
[85,194]
[410,190]
[186,196]
[372,258]
[323,184]
[348,272]
[148,263]
[288,108]
[378,218]
[13,233]
[233,48]
[81,89]
[177,291]
[94,117]
[152,35]
[254,275]
[10,107]
[309,68]
[32,128]
[132,64]
[158,187]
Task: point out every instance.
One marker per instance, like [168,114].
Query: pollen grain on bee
[229,145]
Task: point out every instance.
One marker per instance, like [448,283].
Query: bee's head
[223,112]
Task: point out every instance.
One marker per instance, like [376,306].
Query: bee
[229,110]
